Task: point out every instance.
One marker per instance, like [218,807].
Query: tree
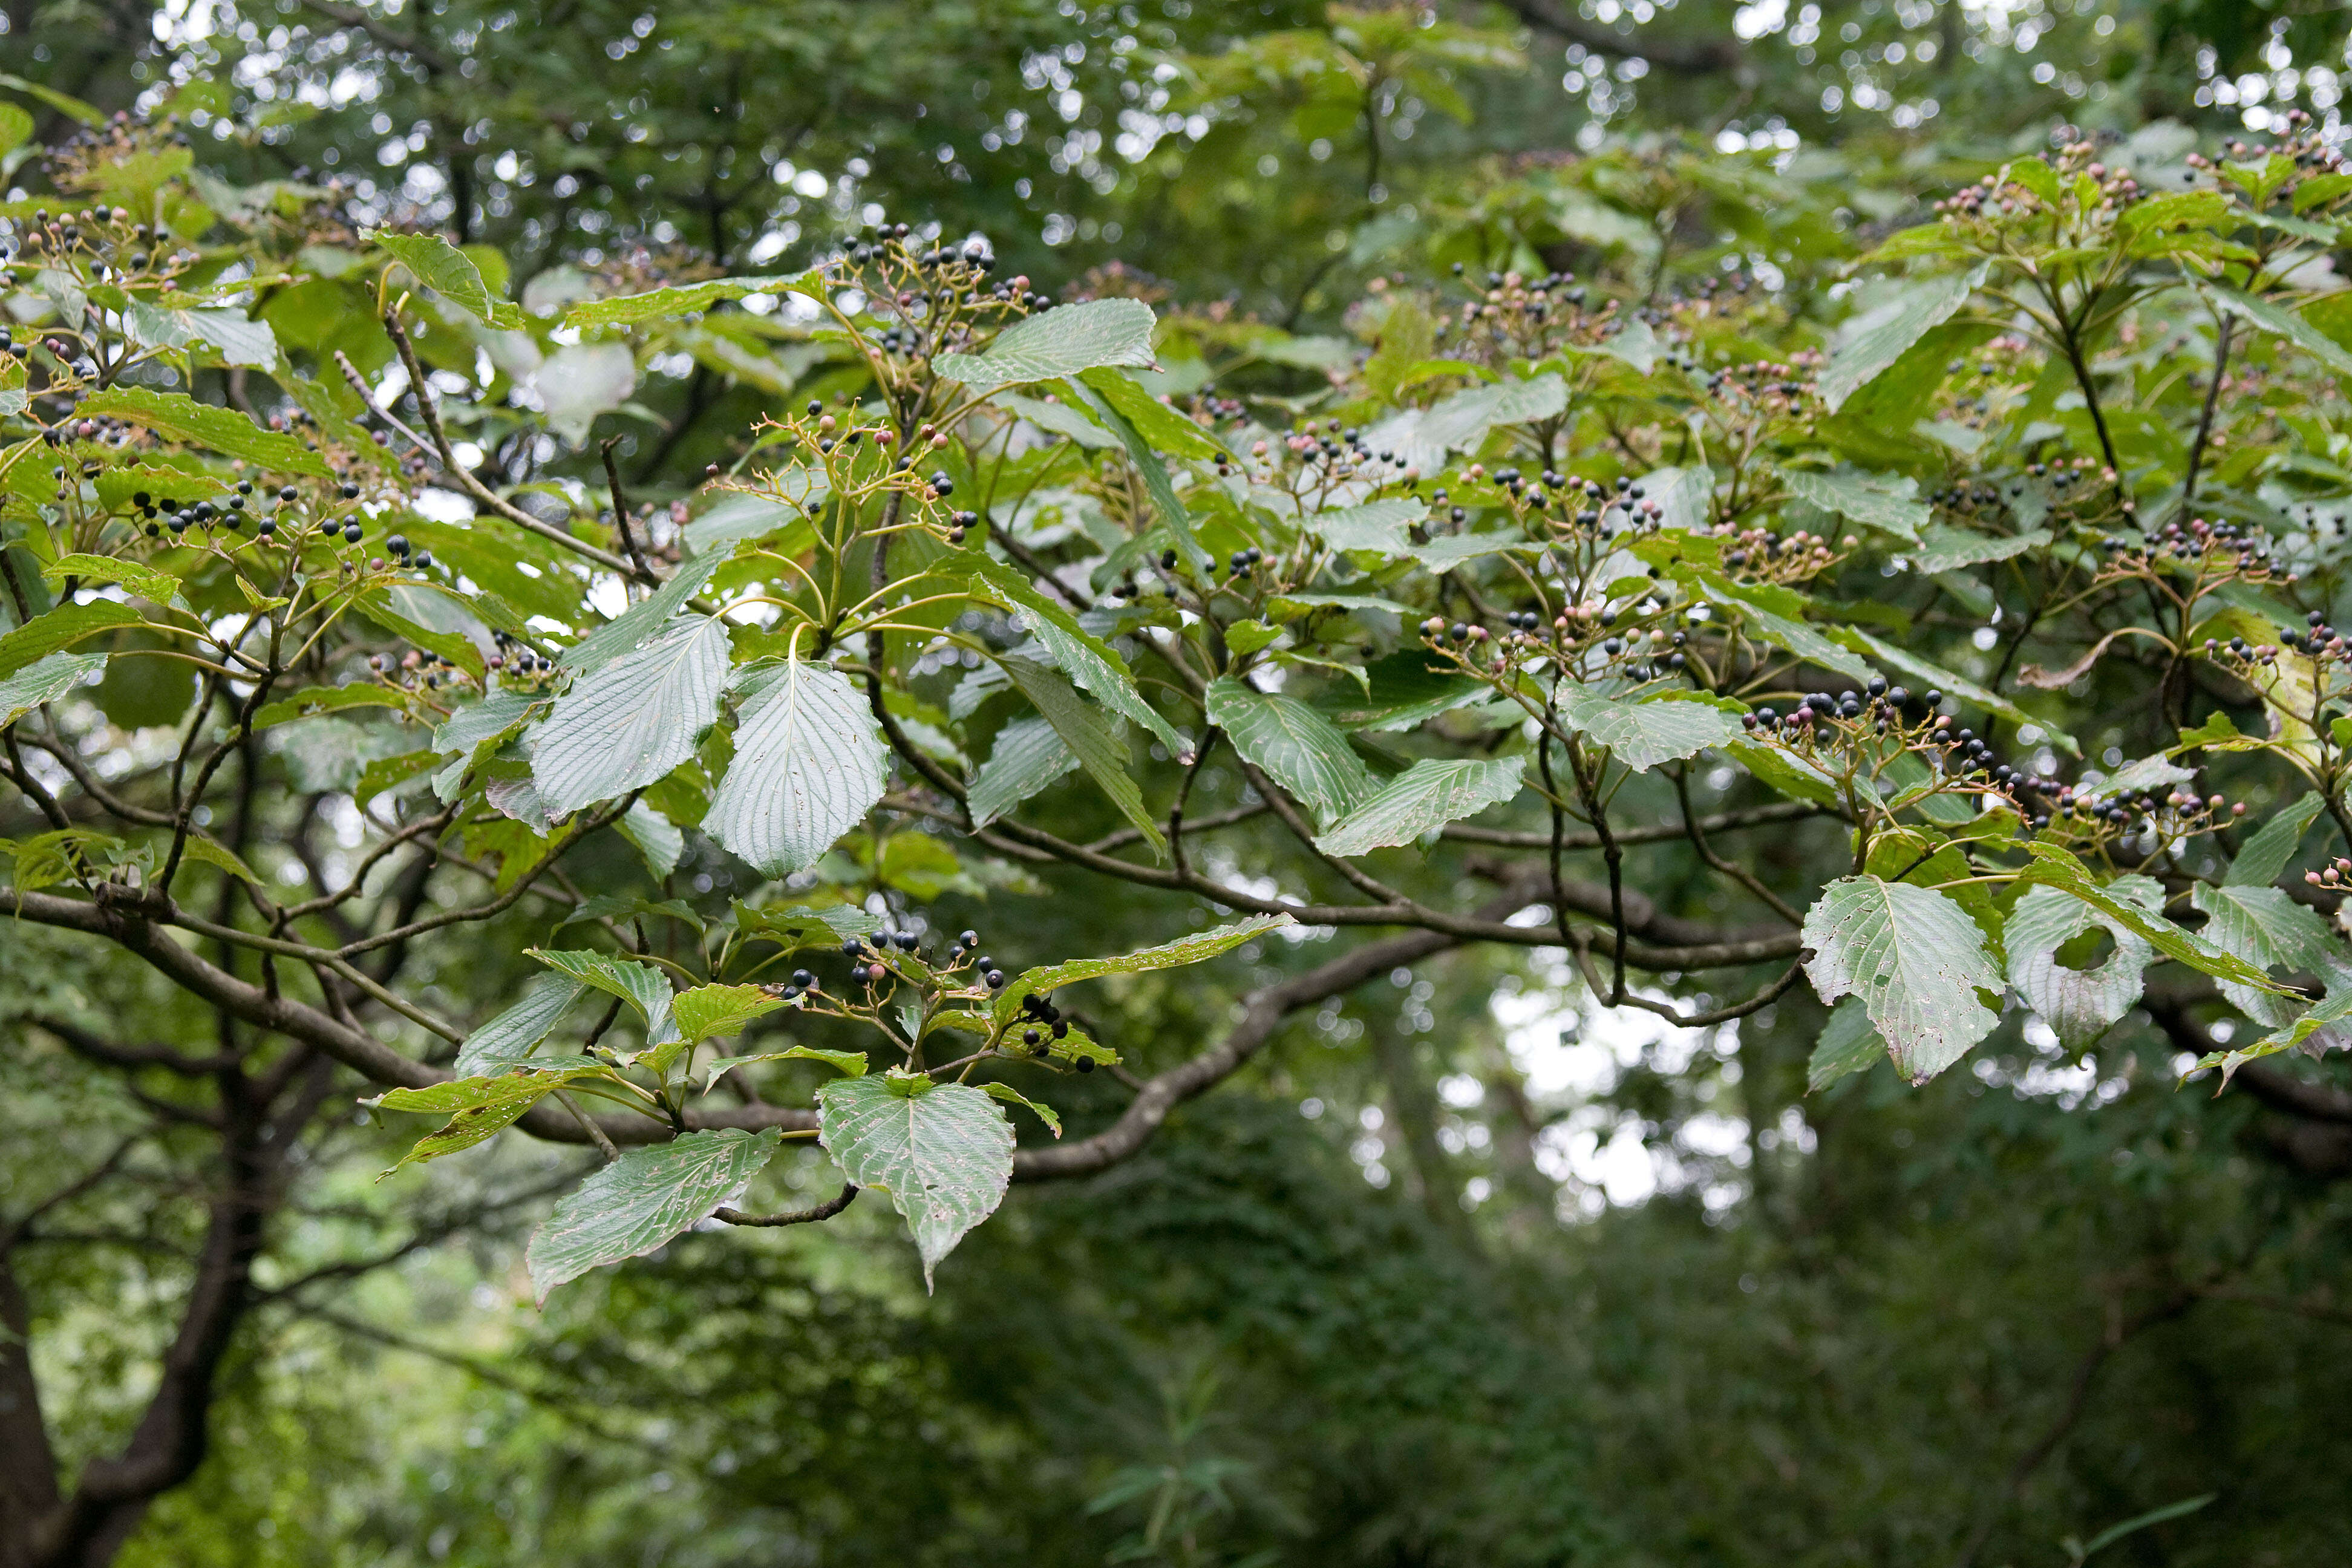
[1647,616]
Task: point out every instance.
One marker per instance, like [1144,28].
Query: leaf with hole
[641,1200]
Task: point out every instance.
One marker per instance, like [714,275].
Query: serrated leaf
[1916,961]
[644,1199]
[238,340]
[525,1084]
[451,273]
[2055,867]
[2269,931]
[1029,754]
[641,985]
[1406,691]
[514,1034]
[222,430]
[475,722]
[1378,526]
[45,680]
[40,638]
[1849,1044]
[1293,745]
[1783,630]
[809,761]
[942,1151]
[2271,849]
[1423,798]
[685,299]
[1869,499]
[1945,549]
[473,1125]
[1061,342]
[633,626]
[1011,1096]
[634,720]
[142,579]
[654,836]
[2078,1005]
[1642,734]
[708,1010]
[1875,340]
[2281,321]
[1174,954]
[1090,662]
[1093,738]
[330,699]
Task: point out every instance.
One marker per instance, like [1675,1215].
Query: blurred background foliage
[1457,1274]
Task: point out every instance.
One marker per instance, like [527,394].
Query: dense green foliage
[1648,824]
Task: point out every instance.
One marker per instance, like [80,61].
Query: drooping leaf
[1642,734]
[2270,851]
[2283,321]
[45,680]
[1936,677]
[1011,1096]
[1091,663]
[222,430]
[317,700]
[1849,1043]
[1061,342]
[808,761]
[474,1124]
[686,298]
[1156,481]
[1424,797]
[630,723]
[1292,745]
[513,1034]
[1868,498]
[1093,738]
[942,1151]
[2054,866]
[642,620]
[641,985]
[708,1010]
[641,1200]
[1916,961]
[2079,1005]
[1876,340]
[1174,954]
[1029,754]
[655,837]
[37,639]
[449,272]
[2271,932]
[528,1085]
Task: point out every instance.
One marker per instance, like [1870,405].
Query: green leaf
[1463,422]
[1754,606]
[43,636]
[942,1151]
[654,836]
[385,774]
[45,680]
[1175,954]
[526,1085]
[466,728]
[138,576]
[1293,745]
[1946,549]
[1155,482]
[633,626]
[222,430]
[708,1010]
[1877,339]
[449,272]
[475,1124]
[2055,867]
[2269,851]
[1029,754]
[848,1064]
[686,298]
[2269,931]
[381,607]
[1092,663]
[1011,1096]
[1423,798]
[1642,734]
[1869,499]
[1061,342]
[1059,419]
[2079,1005]
[2281,321]
[641,985]
[16,128]
[317,699]
[631,723]
[809,761]
[2115,1532]
[1092,737]
[514,1034]
[1408,688]
[220,858]
[737,518]
[1849,1044]
[1166,429]
[1916,961]
[1378,526]
[641,1200]
[237,339]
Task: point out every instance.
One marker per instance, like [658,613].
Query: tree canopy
[1173,782]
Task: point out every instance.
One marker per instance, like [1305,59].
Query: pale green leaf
[1916,961]
[708,1010]
[45,680]
[1029,754]
[1061,342]
[808,761]
[633,722]
[686,298]
[1093,737]
[514,1034]
[942,1151]
[1877,339]
[1174,954]
[449,272]
[1848,1044]
[644,1199]
[2270,851]
[32,643]
[1423,798]
[2079,1005]
[1293,745]
[1642,734]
